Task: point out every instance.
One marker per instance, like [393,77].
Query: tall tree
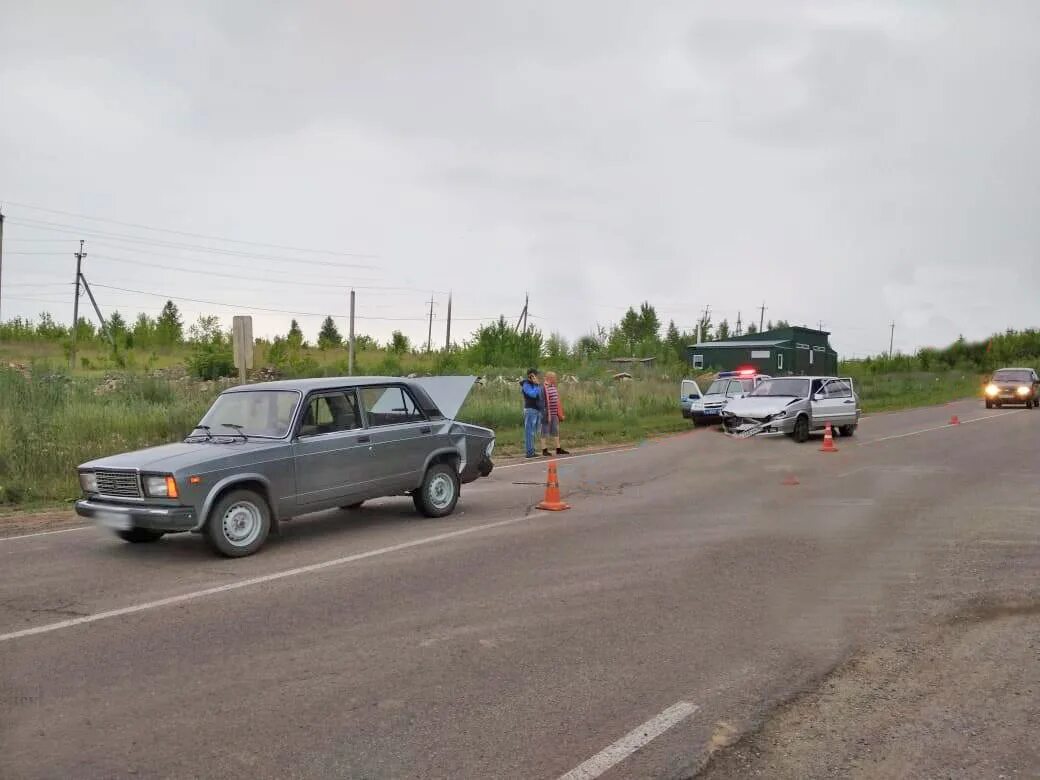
[630,330]
[722,331]
[295,337]
[399,343]
[329,335]
[169,328]
[752,329]
[649,324]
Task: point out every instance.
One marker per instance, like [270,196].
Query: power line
[275,311]
[77,230]
[192,235]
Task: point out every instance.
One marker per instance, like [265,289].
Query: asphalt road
[690,614]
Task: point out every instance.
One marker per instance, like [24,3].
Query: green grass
[49,423]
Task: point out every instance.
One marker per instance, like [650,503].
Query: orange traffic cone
[552,501]
[828,440]
[790,480]
[955,420]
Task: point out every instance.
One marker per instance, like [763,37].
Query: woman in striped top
[553,415]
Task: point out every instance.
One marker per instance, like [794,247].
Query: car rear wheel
[801,430]
[989,404]
[847,430]
[140,535]
[239,523]
[439,492]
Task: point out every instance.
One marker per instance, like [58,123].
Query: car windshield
[718,387]
[259,413]
[787,388]
[1012,376]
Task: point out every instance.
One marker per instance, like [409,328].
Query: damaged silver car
[795,406]
[268,452]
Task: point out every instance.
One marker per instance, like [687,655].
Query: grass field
[50,422]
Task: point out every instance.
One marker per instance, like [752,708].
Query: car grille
[124,484]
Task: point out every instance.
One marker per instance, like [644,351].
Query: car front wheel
[239,523]
[847,430]
[140,535]
[801,430]
[439,492]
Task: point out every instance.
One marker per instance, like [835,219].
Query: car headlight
[160,486]
[992,389]
[88,481]
[490,448]
[779,415]
[1023,390]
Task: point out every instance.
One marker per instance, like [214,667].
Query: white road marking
[562,458]
[942,427]
[278,575]
[631,742]
[45,533]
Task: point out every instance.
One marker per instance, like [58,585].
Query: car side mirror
[818,396]
[694,397]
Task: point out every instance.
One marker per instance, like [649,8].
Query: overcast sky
[844,162]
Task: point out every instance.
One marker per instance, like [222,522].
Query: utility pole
[447,338]
[97,311]
[429,335]
[891,339]
[704,323]
[75,305]
[351,347]
[762,317]
[1,263]
[819,325]
[740,328]
[523,316]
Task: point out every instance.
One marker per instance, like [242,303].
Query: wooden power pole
[75,305]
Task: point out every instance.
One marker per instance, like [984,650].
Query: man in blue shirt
[534,408]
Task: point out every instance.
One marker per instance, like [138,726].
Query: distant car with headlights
[1013,386]
[796,406]
[727,385]
[271,451]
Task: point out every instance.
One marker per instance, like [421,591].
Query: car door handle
[364,439]
[426,429]
[849,402]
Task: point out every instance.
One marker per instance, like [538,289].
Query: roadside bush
[211,361]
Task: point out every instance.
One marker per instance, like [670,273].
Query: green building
[775,352]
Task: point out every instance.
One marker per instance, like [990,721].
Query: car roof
[320,383]
[1011,368]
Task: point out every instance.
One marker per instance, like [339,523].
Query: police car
[706,408]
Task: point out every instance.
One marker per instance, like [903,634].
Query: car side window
[330,413]
[817,386]
[389,406]
[838,389]
[735,389]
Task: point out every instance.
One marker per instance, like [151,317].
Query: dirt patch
[35,522]
[958,700]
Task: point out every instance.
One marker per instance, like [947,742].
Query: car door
[331,448]
[401,435]
[689,390]
[822,406]
[834,404]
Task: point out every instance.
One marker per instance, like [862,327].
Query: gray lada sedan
[268,452]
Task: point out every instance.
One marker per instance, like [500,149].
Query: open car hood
[447,392]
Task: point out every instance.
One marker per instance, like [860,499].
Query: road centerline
[639,737]
[258,580]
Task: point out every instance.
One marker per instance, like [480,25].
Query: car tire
[238,524]
[989,404]
[439,492]
[140,535]
[801,430]
[847,430]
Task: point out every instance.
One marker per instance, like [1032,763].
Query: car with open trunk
[267,452]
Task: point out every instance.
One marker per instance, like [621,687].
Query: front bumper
[713,415]
[738,425]
[123,517]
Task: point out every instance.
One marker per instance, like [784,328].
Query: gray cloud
[849,162]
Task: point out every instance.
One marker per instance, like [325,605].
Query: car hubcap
[442,490]
[242,523]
